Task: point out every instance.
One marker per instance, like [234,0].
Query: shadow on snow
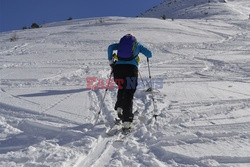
[53,92]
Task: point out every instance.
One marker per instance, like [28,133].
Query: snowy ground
[47,115]
[207,9]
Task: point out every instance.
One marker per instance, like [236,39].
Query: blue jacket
[139,49]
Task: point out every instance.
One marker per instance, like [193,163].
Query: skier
[125,68]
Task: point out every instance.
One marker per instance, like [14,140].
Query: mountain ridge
[200,9]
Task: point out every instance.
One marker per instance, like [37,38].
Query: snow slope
[47,114]
[208,9]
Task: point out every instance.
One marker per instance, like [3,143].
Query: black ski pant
[126,77]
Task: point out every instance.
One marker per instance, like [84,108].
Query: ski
[114,129]
[118,129]
[122,134]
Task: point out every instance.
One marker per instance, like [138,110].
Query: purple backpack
[126,48]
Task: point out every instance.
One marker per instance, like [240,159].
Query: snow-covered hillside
[47,114]
[209,9]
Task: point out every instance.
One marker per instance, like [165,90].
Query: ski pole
[142,79]
[150,86]
[102,102]
[151,90]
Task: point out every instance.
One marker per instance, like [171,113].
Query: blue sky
[15,14]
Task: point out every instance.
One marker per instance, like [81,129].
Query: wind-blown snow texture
[47,115]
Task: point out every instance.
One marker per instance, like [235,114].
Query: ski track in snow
[47,115]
